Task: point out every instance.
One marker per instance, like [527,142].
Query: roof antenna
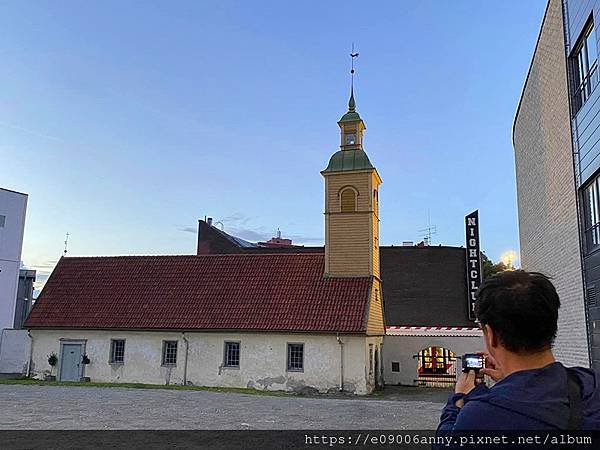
[66,244]
[278,233]
[430,230]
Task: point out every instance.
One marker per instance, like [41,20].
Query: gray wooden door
[70,364]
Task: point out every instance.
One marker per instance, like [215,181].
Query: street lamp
[508,258]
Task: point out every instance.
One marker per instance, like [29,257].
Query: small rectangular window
[592,214]
[2,221]
[395,367]
[232,354]
[169,354]
[117,351]
[295,357]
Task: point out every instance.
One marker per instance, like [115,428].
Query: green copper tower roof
[350,116]
[345,160]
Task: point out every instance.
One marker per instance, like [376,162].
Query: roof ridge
[209,255]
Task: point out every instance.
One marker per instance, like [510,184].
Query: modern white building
[14,343]
[13,206]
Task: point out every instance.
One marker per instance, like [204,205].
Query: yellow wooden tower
[351,204]
[352,213]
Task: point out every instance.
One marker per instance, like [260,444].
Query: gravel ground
[69,408]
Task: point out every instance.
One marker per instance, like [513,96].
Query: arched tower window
[348,200]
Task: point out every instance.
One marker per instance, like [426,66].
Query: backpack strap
[575,409]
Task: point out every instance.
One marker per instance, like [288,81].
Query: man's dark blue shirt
[534,399]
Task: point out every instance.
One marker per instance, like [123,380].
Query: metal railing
[586,87]
[592,237]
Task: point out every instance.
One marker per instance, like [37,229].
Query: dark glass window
[584,62]
[169,354]
[592,214]
[232,354]
[295,357]
[395,367]
[117,351]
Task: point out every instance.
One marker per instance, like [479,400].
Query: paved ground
[59,407]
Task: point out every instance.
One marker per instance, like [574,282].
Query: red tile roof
[211,292]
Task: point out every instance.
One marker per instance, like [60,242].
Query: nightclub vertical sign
[473,260]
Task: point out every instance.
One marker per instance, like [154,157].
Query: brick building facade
[551,179]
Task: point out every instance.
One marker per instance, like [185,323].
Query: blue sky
[125,122]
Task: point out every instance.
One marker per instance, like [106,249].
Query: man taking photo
[518,313]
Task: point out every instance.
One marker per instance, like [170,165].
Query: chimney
[209,221]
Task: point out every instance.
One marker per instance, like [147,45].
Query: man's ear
[491,338]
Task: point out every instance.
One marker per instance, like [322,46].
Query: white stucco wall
[403,348]
[263,359]
[14,351]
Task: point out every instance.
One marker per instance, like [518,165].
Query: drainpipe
[341,361]
[30,361]
[185,362]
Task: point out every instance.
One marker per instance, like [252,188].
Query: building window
[350,139]
[169,353]
[348,200]
[232,354]
[591,296]
[395,367]
[592,214]
[2,221]
[584,62]
[295,357]
[370,359]
[117,351]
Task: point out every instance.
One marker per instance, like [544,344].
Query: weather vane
[66,244]
[353,55]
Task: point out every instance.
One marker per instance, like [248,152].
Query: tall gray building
[24,297]
[556,139]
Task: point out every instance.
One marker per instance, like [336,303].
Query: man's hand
[464,385]
[491,367]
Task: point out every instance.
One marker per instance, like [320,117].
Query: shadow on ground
[413,393]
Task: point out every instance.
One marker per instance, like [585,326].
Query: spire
[351,102]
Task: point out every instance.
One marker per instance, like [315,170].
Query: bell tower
[351,202]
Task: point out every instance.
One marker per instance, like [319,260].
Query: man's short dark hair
[521,307]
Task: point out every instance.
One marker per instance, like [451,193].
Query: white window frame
[165,343]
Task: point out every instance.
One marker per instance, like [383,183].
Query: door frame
[63,341]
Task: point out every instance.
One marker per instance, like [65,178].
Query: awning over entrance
[434,331]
